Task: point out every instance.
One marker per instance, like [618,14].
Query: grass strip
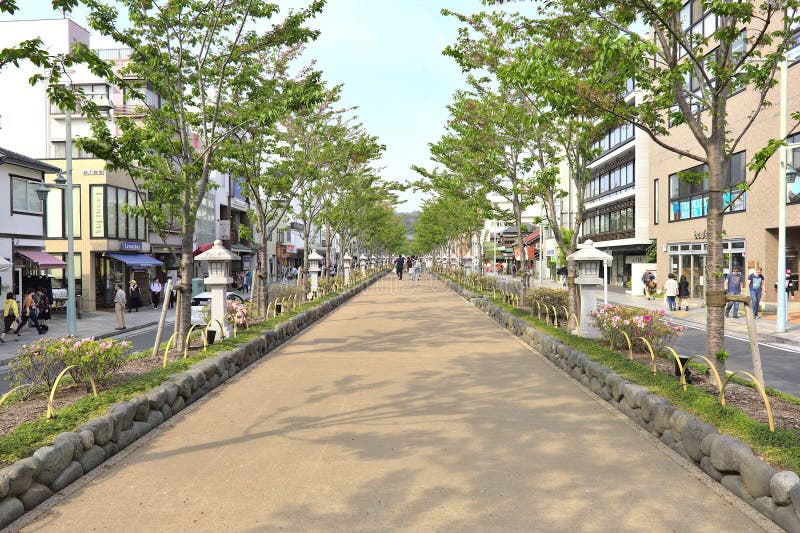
[781,448]
[29,436]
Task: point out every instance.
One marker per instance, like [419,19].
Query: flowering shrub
[237,313]
[39,363]
[98,359]
[547,296]
[611,320]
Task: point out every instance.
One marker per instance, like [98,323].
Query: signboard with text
[224,230]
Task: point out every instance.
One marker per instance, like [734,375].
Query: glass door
[698,280]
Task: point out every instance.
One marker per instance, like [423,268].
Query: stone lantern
[348,264]
[373,261]
[590,262]
[363,262]
[219,264]
[467,263]
[454,262]
[314,270]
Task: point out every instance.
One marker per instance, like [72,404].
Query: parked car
[202,300]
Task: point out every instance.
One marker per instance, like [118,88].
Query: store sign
[224,230]
[701,235]
[131,246]
[98,211]
[290,248]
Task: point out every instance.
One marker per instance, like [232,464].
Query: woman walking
[134,296]
[44,308]
[671,291]
[683,294]
[10,317]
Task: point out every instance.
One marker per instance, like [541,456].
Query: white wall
[24,109]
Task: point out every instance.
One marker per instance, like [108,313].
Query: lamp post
[65,184]
[781,317]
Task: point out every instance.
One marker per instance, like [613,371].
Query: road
[781,363]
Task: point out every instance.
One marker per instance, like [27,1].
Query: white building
[617,198]
[22,234]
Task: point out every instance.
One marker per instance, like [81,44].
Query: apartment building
[616,197]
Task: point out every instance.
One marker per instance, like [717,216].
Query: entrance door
[697,281]
[104,295]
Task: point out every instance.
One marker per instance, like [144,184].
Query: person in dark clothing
[44,308]
[683,294]
[399,264]
[134,297]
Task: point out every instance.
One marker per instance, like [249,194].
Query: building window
[616,179]
[792,178]
[110,214]
[619,220]
[23,196]
[613,138]
[56,213]
[690,200]
[59,149]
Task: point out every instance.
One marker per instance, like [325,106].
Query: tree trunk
[327,268]
[573,294]
[715,277]
[520,237]
[263,279]
[183,312]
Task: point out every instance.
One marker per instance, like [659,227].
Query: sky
[388,55]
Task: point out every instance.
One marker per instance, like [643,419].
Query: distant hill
[409,220]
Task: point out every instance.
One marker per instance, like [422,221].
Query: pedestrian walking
[173,292]
[755,282]
[683,293]
[44,308]
[30,311]
[649,280]
[671,291]
[399,263]
[134,296]
[790,287]
[155,292]
[733,286]
[11,317]
[119,305]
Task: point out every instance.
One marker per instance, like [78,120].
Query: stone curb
[30,481]
[727,460]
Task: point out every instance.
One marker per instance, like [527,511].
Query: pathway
[404,410]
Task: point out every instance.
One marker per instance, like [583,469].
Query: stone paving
[404,410]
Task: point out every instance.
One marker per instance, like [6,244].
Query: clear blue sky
[388,55]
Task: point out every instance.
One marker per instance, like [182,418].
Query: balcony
[130,110]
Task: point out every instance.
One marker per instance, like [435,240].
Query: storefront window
[690,200]
[56,221]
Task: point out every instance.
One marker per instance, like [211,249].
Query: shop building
[23,260]
[750,225]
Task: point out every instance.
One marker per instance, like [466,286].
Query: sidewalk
[404,410]
[95,324]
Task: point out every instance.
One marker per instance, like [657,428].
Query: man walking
[155,292]
[733,285]
[755,282]
[119,305]
[399,263]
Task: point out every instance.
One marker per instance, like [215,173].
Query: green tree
[197,57]
[686,74]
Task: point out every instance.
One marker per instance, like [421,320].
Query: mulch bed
[785,414]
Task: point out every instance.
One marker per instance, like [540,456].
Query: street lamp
[42,191]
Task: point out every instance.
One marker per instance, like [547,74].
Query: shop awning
[241,248]
[43,259]
[203,248]
[137,260]
[5,264]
